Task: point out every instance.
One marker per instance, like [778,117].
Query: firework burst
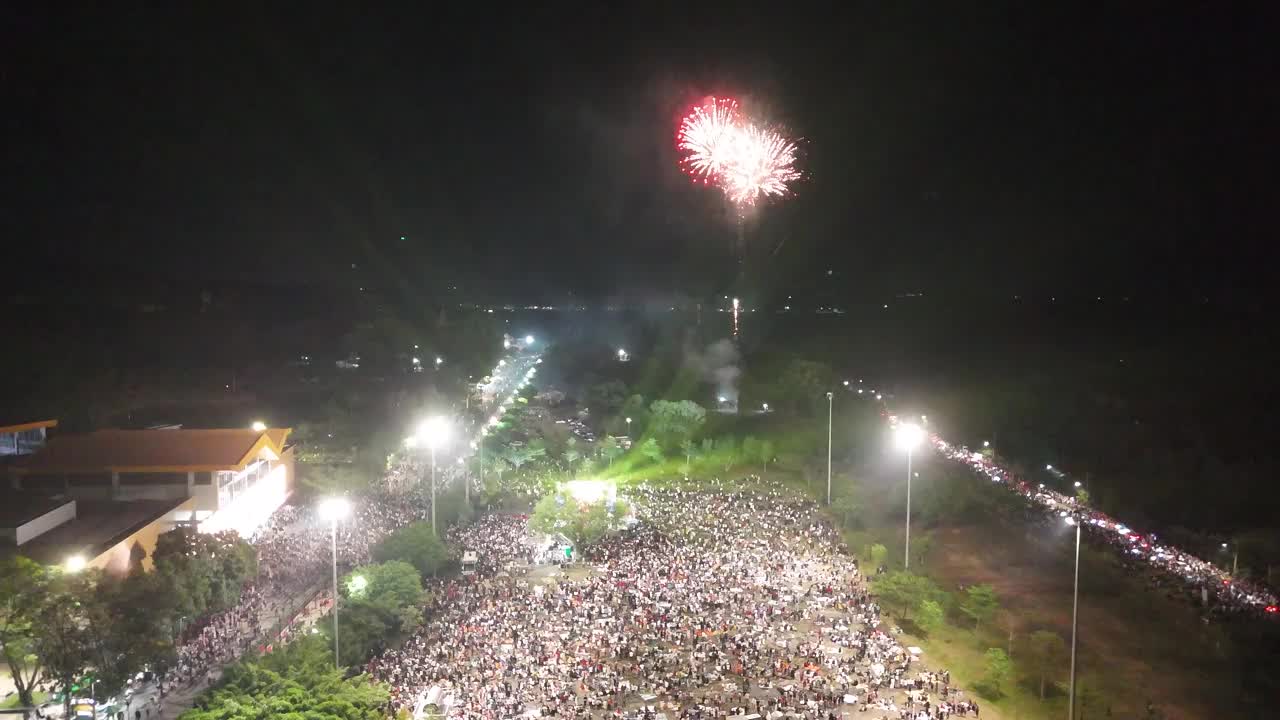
[707,136]
[742,158]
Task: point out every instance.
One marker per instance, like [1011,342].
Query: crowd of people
[731,600]
[1165,566]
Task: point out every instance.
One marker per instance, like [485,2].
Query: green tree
[392,585]
[1046,653]
[929,616]
[584,524]
[416,544]
[651,450]
[764,454]
[24,593]
[846,507]
[877,554]
[688,447]
[979,604]
[998,668]
[610,449]
[903,590]
[675,421]
[66,636]
[293,683]
[636,409]
[750,449]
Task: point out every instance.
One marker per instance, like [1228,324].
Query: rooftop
[19,509]
[152,451]
[33,425]
[99,525]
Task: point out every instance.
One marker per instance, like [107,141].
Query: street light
[333,510]
[986,443]
[628,427]
[528,339]
[258,426]
[764,407]
[433,432]
[830,402]
[1235,559]
[907,436]
[76,563]
[1075,606]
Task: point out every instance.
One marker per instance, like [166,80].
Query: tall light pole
[1075,606]
[628,428]
[333,510]
[830,400]
[907,436]
[433,432]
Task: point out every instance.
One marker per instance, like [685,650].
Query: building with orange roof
[235,478]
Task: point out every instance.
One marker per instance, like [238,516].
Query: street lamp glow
[878,396]
[846,383]
[722,399]
[356,585]
[433,432]
[76,563]
[258,426]
[907,436]
[528,339]
[417,361]
[334,509]
[764,406]
[986,443]
[1048,467]
[1077,483]
[439,360]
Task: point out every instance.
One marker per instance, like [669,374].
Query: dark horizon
[1025,149]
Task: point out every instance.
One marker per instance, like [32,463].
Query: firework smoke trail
[743,159]
[708,135]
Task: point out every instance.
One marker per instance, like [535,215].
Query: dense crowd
[1165,567]
[728,601]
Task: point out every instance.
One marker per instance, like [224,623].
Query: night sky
[1128,150]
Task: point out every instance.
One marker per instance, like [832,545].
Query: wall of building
[116,559]
[35,528]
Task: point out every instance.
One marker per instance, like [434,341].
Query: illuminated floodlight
[334,509]
[76,563]
[433,432]
[907,436]
[589,491]
[356,585]
[258,426]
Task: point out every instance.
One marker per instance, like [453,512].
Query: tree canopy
[673,421]
[416,544]
[297,682]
